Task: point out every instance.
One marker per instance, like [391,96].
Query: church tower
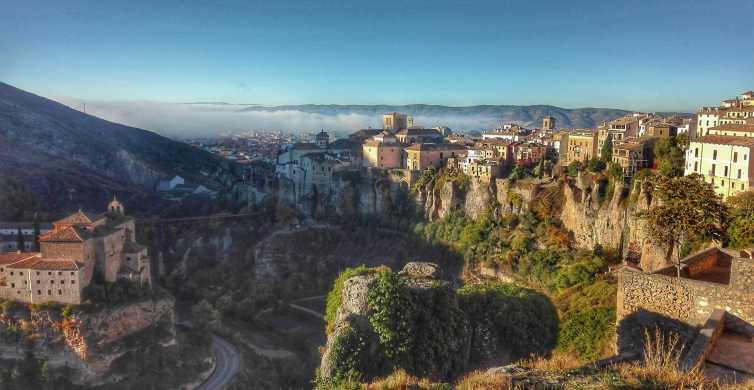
[115,206]
[322,139]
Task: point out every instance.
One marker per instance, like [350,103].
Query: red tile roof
[38,263]
[77,218]
[10,258]
[727,140]
[748,127]
[69,234]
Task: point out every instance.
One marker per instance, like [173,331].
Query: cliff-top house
[77,246]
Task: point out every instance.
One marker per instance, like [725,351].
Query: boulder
[421,269]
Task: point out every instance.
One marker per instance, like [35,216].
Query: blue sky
[642,55]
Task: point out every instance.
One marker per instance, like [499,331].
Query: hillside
[70,159]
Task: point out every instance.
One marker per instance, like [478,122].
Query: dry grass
[560,362]
[400,380]
[481,380]
[659,369]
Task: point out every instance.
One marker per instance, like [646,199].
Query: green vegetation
[586,332]
[519,319]
[689,210]
[607,150]
[668,156]
[334,296]
[741,225]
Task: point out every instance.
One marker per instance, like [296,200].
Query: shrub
[523,320]
[347,353]
[586,332]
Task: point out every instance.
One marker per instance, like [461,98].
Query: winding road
[227,365]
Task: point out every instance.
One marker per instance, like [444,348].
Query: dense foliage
[741,227]
[420,333]
[520,320]
[689,210]
[668,156]
[586,332]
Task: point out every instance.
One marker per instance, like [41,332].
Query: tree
[574,168]
[741,228]
[688,209]
[607,150]
[20,244]
[595,165]
[669,157]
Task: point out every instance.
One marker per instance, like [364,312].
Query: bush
[522,320]
[595,165]
[586,333]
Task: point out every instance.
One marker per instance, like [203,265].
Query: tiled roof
[69,234]
[748,127]
[77,218]
[10,258]
[727,140]
[38,263]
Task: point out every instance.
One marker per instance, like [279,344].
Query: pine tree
[607,149]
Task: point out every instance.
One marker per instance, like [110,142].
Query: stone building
[632,156]
[382,151]
[582,147]
[418,136]
[548,123]
[423,156]
[396,121]
[77,246]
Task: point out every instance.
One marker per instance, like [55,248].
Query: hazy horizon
[639,56]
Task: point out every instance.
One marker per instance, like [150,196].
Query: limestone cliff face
[612,223]
[88,342]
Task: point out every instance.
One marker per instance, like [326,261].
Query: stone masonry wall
[689,301]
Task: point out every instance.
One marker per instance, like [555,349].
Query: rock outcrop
[355,339]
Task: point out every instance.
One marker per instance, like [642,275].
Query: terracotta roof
[10,258]
[748,127]
[69,234]
[78,218]
[726,140]
[38,263]
[629,146]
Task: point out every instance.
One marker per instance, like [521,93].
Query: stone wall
[686,300]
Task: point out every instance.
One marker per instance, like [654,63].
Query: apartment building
[724,161]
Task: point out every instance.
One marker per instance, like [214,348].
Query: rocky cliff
[90,342]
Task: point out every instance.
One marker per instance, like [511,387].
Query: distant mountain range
[213,118]
[69,159]
[483,114]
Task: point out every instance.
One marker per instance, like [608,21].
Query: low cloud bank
[190,120]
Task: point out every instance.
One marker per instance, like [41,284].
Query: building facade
[424,156]
[76,247]
[723,161]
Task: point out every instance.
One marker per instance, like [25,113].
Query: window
[60,273]
[60,292]
[739,174]
[735,156]
[712,171]
[696,163]
[696,152]
[49,292]
[13,285]
[52,282]
[62,282]
[73,282]
[49,273]
[726,172]
[11,272]
[714,154]
[37,273]
[39,292]
[71,272]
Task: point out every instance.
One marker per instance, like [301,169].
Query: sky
[639,55]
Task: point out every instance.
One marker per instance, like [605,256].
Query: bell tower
[115,206]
